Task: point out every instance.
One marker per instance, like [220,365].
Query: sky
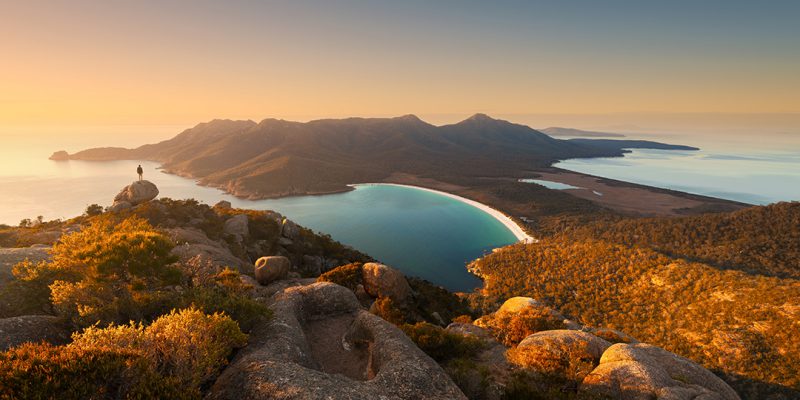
[164,63]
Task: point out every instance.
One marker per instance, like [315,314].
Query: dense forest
[760,240]
[674,283]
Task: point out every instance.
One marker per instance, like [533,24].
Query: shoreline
[504,219]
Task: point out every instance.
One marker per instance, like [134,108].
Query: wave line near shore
[504,219]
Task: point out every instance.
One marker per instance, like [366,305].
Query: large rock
[517,304]
[136,193]
[237,226]
[191,235]
[642,371]
[320,344]
[60,155]
[312,265]
[32,328]
[561,352]
[383,281]
[289,229]
[217,254]
[11,256]
[270,269]
[223,204]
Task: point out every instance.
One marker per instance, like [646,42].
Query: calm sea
[755,169]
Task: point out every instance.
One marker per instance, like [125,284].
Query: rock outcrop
[60,155]
[321,344]
[642,371]
[383,281]
[271,269]
[11,256]
[223,204]
[517,304]
[134,194]
[191,243]
[289,229]
[560,351]
[312,265]
[237,226]
[32,328]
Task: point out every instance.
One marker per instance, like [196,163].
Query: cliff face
[277,158]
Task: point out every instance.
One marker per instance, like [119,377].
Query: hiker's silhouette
[140,171]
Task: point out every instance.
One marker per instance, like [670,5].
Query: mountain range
[276,158]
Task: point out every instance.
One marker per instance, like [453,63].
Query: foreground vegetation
[170,358]
[651,284]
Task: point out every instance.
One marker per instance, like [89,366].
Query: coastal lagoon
[422,233]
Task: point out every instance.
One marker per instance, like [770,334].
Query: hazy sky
[179,62]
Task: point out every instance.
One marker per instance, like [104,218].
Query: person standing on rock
[140,171]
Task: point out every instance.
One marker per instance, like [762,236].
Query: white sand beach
[509,223]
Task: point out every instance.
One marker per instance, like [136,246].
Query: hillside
[175,299]
[719,289]
[277,158]
[758,240]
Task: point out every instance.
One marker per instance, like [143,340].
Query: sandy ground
[512,226]
[627,198]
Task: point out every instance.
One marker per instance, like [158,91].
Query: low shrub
[512,328]
[227,293]
[44,371]
[384,307]
[441,345]
[188,345]
[349,276]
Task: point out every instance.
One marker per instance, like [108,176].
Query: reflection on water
[752,172]
[550,184]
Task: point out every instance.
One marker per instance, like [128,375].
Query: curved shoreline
[509,223]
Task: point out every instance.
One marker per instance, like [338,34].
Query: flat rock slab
[15,331]
[321,344]
[11,256]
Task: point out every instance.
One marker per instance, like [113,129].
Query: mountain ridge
[274,157]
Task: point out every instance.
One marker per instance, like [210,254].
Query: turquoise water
[423,234]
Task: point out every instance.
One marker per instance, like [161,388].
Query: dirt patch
[626,198]
[335,355]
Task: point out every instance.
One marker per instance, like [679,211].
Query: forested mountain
[276,157]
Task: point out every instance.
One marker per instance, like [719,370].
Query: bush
[384,307]
[93,210]
[512,328]
[441,345]
[349,276]
[189,345]
[172,358]
[44,371]
[227,293]
[473,379]
[107,272]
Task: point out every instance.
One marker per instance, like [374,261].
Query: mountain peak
[480,117]
[409,117]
